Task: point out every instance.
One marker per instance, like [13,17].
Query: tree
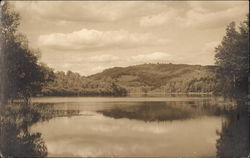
[21,73]
[117,90]
[232,60]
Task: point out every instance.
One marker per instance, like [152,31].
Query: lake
[127,126]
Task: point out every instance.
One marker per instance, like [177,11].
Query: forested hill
[139,79]
[161,78]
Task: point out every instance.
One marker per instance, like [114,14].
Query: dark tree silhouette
[21,73]
[232,60]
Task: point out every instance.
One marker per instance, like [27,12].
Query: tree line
[73,84]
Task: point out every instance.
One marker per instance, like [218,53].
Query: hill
[139,79]
[161,78]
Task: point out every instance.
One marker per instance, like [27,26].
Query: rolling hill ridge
[139,79]
[161,78]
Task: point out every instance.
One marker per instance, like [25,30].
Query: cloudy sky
[88,37]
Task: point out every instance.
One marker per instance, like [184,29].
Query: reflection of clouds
[102,136]
[154,128]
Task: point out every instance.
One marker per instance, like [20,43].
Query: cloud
[152,57]
[207,52]
[196,14]
[199,15]
[89,36]
[73,11]
[148,13]
[87,65]
[158,19]
[91,39]
[104,58]
[87,11]
[215,6]
[130,60]
[209,48]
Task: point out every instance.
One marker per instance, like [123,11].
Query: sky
[90,36]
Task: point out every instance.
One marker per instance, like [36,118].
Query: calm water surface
[100,126]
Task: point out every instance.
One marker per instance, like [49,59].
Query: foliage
[232,60]
[73,84]
[144,79]
[21,73]
[162,78]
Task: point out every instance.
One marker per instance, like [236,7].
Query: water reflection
[165,111]
[119,127]
[15,136]
[143,128]
[100,136]
[234,136]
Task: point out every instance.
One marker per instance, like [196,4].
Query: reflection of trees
[15,136]
[234,136]
[166,111]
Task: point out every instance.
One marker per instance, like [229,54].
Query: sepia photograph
[124,79]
